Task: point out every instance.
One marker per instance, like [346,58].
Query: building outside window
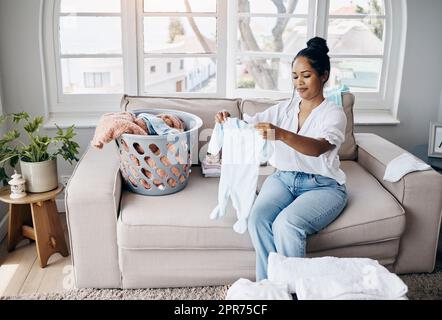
[96,79]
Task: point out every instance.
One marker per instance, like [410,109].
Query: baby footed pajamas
[243,152]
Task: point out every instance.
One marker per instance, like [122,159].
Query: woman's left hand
[269,131]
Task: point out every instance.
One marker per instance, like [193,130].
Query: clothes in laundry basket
[243,152]
[161,124]
[113,124]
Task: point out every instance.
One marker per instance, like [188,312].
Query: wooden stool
[36,217]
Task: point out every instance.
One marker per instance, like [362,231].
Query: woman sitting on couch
[307,191]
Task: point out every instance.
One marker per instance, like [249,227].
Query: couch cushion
[181,220]
[372,214]
[205,108]
[348,150]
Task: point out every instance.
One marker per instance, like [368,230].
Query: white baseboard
[3,227]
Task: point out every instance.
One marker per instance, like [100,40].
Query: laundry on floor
[243,150]
[335,278]
[112,125]
[244,289]
[403,164]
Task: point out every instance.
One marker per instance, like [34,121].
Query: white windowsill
[80,120]
[90,120]
[374,117]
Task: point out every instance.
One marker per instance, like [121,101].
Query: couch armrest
[92,202]
[420,195]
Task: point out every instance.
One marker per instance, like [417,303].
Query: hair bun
[319,44]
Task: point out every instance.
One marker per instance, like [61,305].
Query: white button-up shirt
[326,121]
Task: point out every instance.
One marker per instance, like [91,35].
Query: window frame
[81,103]
[219,55]
[366,100]
[385,101]
[232,91]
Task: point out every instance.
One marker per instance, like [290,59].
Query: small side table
[35,217]
[421,151]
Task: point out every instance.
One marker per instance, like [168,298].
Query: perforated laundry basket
[158,165]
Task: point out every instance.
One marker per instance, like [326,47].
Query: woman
[307,191]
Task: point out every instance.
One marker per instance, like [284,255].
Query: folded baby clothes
[211,165]
[156,125]
[243,151]
[369,286]
[335,278]
[244,289]
[400,166]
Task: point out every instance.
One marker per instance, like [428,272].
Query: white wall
[3,206]
[420,99]
[440,107]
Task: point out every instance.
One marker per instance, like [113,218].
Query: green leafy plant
[36,147]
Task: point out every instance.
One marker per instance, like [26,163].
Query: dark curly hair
[316,54]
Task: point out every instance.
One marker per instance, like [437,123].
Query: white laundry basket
[157,165]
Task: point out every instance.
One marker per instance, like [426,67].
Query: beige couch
[119,239]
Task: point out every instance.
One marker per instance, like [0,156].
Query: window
[90,44]
[180,33]
[96,79]
[268,35]
[239,48]
[357,36]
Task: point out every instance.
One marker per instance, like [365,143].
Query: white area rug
[192,293]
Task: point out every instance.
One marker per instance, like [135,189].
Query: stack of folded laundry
[321,278]
[333,278]
[211,165]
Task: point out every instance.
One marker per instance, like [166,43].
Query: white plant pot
[40,176]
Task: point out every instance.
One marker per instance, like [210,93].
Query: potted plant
[38,164]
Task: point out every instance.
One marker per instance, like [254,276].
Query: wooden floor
[21,274]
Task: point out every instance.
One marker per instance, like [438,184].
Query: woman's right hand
[222,116]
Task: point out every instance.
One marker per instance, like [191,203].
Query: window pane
[90,35]
[180,75]
[358,74]
[179,6]
[357,7]
[355,36]
[97,75]
[175,35]
[68,6]
[268,6]
[264,73]
[291,38]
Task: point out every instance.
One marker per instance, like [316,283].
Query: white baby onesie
[243,151]
[244,289]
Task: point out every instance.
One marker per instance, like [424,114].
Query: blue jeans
[290,206]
